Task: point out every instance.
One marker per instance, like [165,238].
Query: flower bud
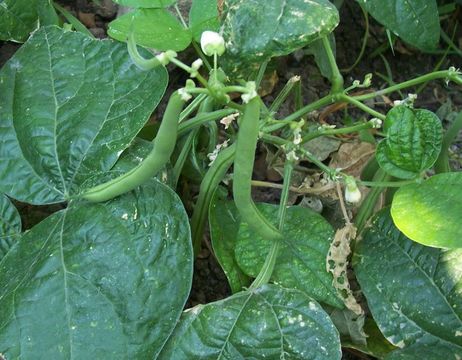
[212,43]
[352,193]
[185,96]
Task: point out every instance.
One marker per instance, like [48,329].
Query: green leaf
[10,225]
[267,323]
[301,263]
[203,16]
[258,30]
[321,58]
[69,106]
[18,18]
[98,281]
[224,226]
[415,21]
[153,28]
[146,3]
[437,351]
[413,142]
[430,212]
[413,291]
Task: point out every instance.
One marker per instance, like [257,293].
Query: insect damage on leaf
[337,263]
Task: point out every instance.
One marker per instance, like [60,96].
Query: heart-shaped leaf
[18,18]
[415,21]
[267,323]
[257,30]
[413,142]
[301,263]
[430,212]
[146,3]
[69,106]
[10,225]
[413,291]
[203,16]
[224,226]
[153,28]
[98,281]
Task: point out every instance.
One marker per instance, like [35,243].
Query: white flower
[165,57]
[212,43]
[292,156]
[376,123]
[352,193]
[297,136]
[185,96]
[195,66]
[227,120]
[212,156]
[251,92]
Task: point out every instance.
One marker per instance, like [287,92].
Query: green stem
[268,267]
[353,101]
[367,207]
[337,78]
[327,100]
[364,43]
[282,96]
[443,74]
[329,171]
[163,146]
[442,164]
[192,106]
[383,184]
[201,119]
[345,130]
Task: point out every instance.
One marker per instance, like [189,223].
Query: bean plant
[108,275]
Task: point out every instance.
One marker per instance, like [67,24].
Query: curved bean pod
[163,146]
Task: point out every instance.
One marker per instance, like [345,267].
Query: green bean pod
[246,146]
[163,146]
[208,186]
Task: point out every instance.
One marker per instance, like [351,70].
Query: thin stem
[337,78]
[387,183]
[180,16]
[327,100]
[200,119]
[261,73]
[368,205]
[202,56]
[192,106]
[442,164]
[443,74]
[329,171]
[268,267]
[345,130]
[360,105]
[282,96]
[364,43]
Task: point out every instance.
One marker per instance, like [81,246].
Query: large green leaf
[430,212]
[10,225]
[203,16]
[69,106]
[415,21]
[413,142]
[266,323]
[18,18]
[257,30]
[301,263]
[146,3]
[98,281]
[153,28]
[224,226]
[413,291]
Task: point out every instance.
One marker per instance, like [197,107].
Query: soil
[209,280]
